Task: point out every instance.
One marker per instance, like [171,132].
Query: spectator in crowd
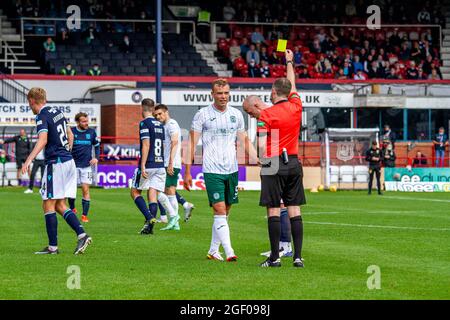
[412,72]
[440,141]
[204,25]
[420,74]
[316,47]
[404,53]
[228,12]
[394,40]
[437,69]
[388,156]
[263,56]
[392,75]
[275,33]
[340,75]
[252,54]
[426,50]
[357,65]
[253,69]
[257,36]
[274,59]
[350,9]
[22,150]
[126,46]
[94,71]
[234,50]
[68,70]
[420,160]
[90,34]
[332,36]
[415,54]
[426,66]
[304,74]
[359,75]
[64,37]
[388,137]
[38,164]
[328,67]
[297,56]
[244,48]
[49,45]
[267,16]
[320,65]
[434,75]
[347,68]
[264,70]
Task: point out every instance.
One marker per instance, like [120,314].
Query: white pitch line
[317,213]
[376,226]
[417,199]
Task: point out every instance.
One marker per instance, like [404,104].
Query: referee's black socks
[274,237]
[297,235]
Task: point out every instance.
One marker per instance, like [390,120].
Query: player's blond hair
[37,94]
[220,82]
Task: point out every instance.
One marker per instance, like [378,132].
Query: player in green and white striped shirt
[220,127]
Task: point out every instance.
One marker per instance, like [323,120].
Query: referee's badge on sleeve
[261,123]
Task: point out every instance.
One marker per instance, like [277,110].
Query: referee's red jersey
[281,123]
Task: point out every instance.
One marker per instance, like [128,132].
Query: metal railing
[169,26]
[11,90]
[9,58]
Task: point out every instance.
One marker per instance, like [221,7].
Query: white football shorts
[156,179]
[60,181]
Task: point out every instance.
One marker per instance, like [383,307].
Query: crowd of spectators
[321,11]
[95,9]
[336,53]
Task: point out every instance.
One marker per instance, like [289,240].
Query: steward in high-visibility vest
[67,70]
[204,18]
[94,71]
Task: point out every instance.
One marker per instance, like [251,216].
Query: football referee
[281,172]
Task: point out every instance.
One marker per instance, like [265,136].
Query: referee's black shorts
[282,181]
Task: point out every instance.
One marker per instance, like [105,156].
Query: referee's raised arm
[290,72]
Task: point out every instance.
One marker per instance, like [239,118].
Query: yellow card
[281,46]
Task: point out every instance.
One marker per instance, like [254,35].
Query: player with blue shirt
[85,139]
[60,177]
[150,174]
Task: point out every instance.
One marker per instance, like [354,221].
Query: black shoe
[380,193]
[148,226]
[298,263]
[270,263]
[370,192]
[83,244]
[46,250]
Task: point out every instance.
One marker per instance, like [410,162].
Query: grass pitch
[406,235]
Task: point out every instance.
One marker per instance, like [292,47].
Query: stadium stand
[326,52]
[139,62]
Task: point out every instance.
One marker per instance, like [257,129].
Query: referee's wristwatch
[290,61]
